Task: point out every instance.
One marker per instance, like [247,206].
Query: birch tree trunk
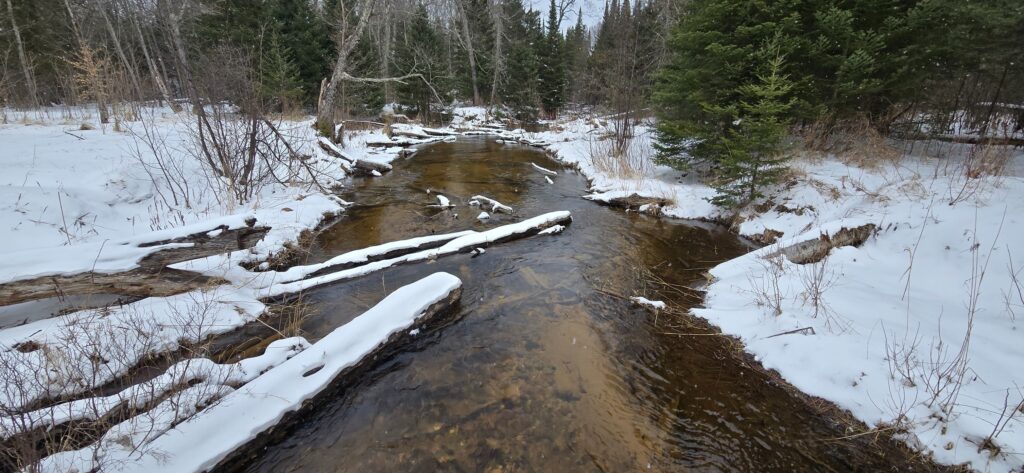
[346,44]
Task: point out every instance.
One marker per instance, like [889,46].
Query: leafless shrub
[969,175]
[82,390]
[164,164]
[767,286]
[817,278]
[231,135]
[1006,414]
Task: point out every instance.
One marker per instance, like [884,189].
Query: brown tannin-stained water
[547,367]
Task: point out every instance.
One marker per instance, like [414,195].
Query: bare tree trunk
[385,58]
[132,73]
[154,71]
[74,23]
[26,68]
[346,44]
[498,65]
[464,17]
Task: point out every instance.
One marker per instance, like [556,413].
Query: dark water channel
[547,367]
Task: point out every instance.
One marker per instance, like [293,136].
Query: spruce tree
[750,150]
[280,84]
[552,67]
[421,51]
[519,90]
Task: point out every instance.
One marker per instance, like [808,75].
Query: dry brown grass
[854,142]
[630,161]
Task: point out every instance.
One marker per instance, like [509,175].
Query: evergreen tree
[750,150]
[577,51]
[280,84]
[552,67]
[519,90]
[304,35]
[421,51]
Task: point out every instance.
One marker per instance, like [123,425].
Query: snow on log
[463,243]
[543,170]
[439,132]
[121,336]
[495,205]
[408,132]
[552,230]
[135,269]
[139,396]
[360,166]
[246,417]
[549,180]
[398,142]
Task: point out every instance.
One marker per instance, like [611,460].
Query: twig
[861,434]
[60,201]
[788,332]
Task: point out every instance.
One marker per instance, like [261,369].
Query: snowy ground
[915,331]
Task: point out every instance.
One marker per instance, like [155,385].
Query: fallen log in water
[291,283]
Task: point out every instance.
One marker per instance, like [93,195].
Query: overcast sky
[592,11]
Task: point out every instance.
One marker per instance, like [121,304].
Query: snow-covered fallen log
[543,170]
[176,244]
[186,372]
[129,269]
[358,166]
[495,205]
[200,442]
[439,132]
[552,230]
[409,131]
[74,353]
[400,142]
[465,243]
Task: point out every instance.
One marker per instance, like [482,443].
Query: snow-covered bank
[175,440]
[913,332]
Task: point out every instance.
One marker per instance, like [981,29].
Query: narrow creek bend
[547,367]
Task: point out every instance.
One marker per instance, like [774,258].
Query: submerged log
[302,278]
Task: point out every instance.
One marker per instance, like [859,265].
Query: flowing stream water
[548,365]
